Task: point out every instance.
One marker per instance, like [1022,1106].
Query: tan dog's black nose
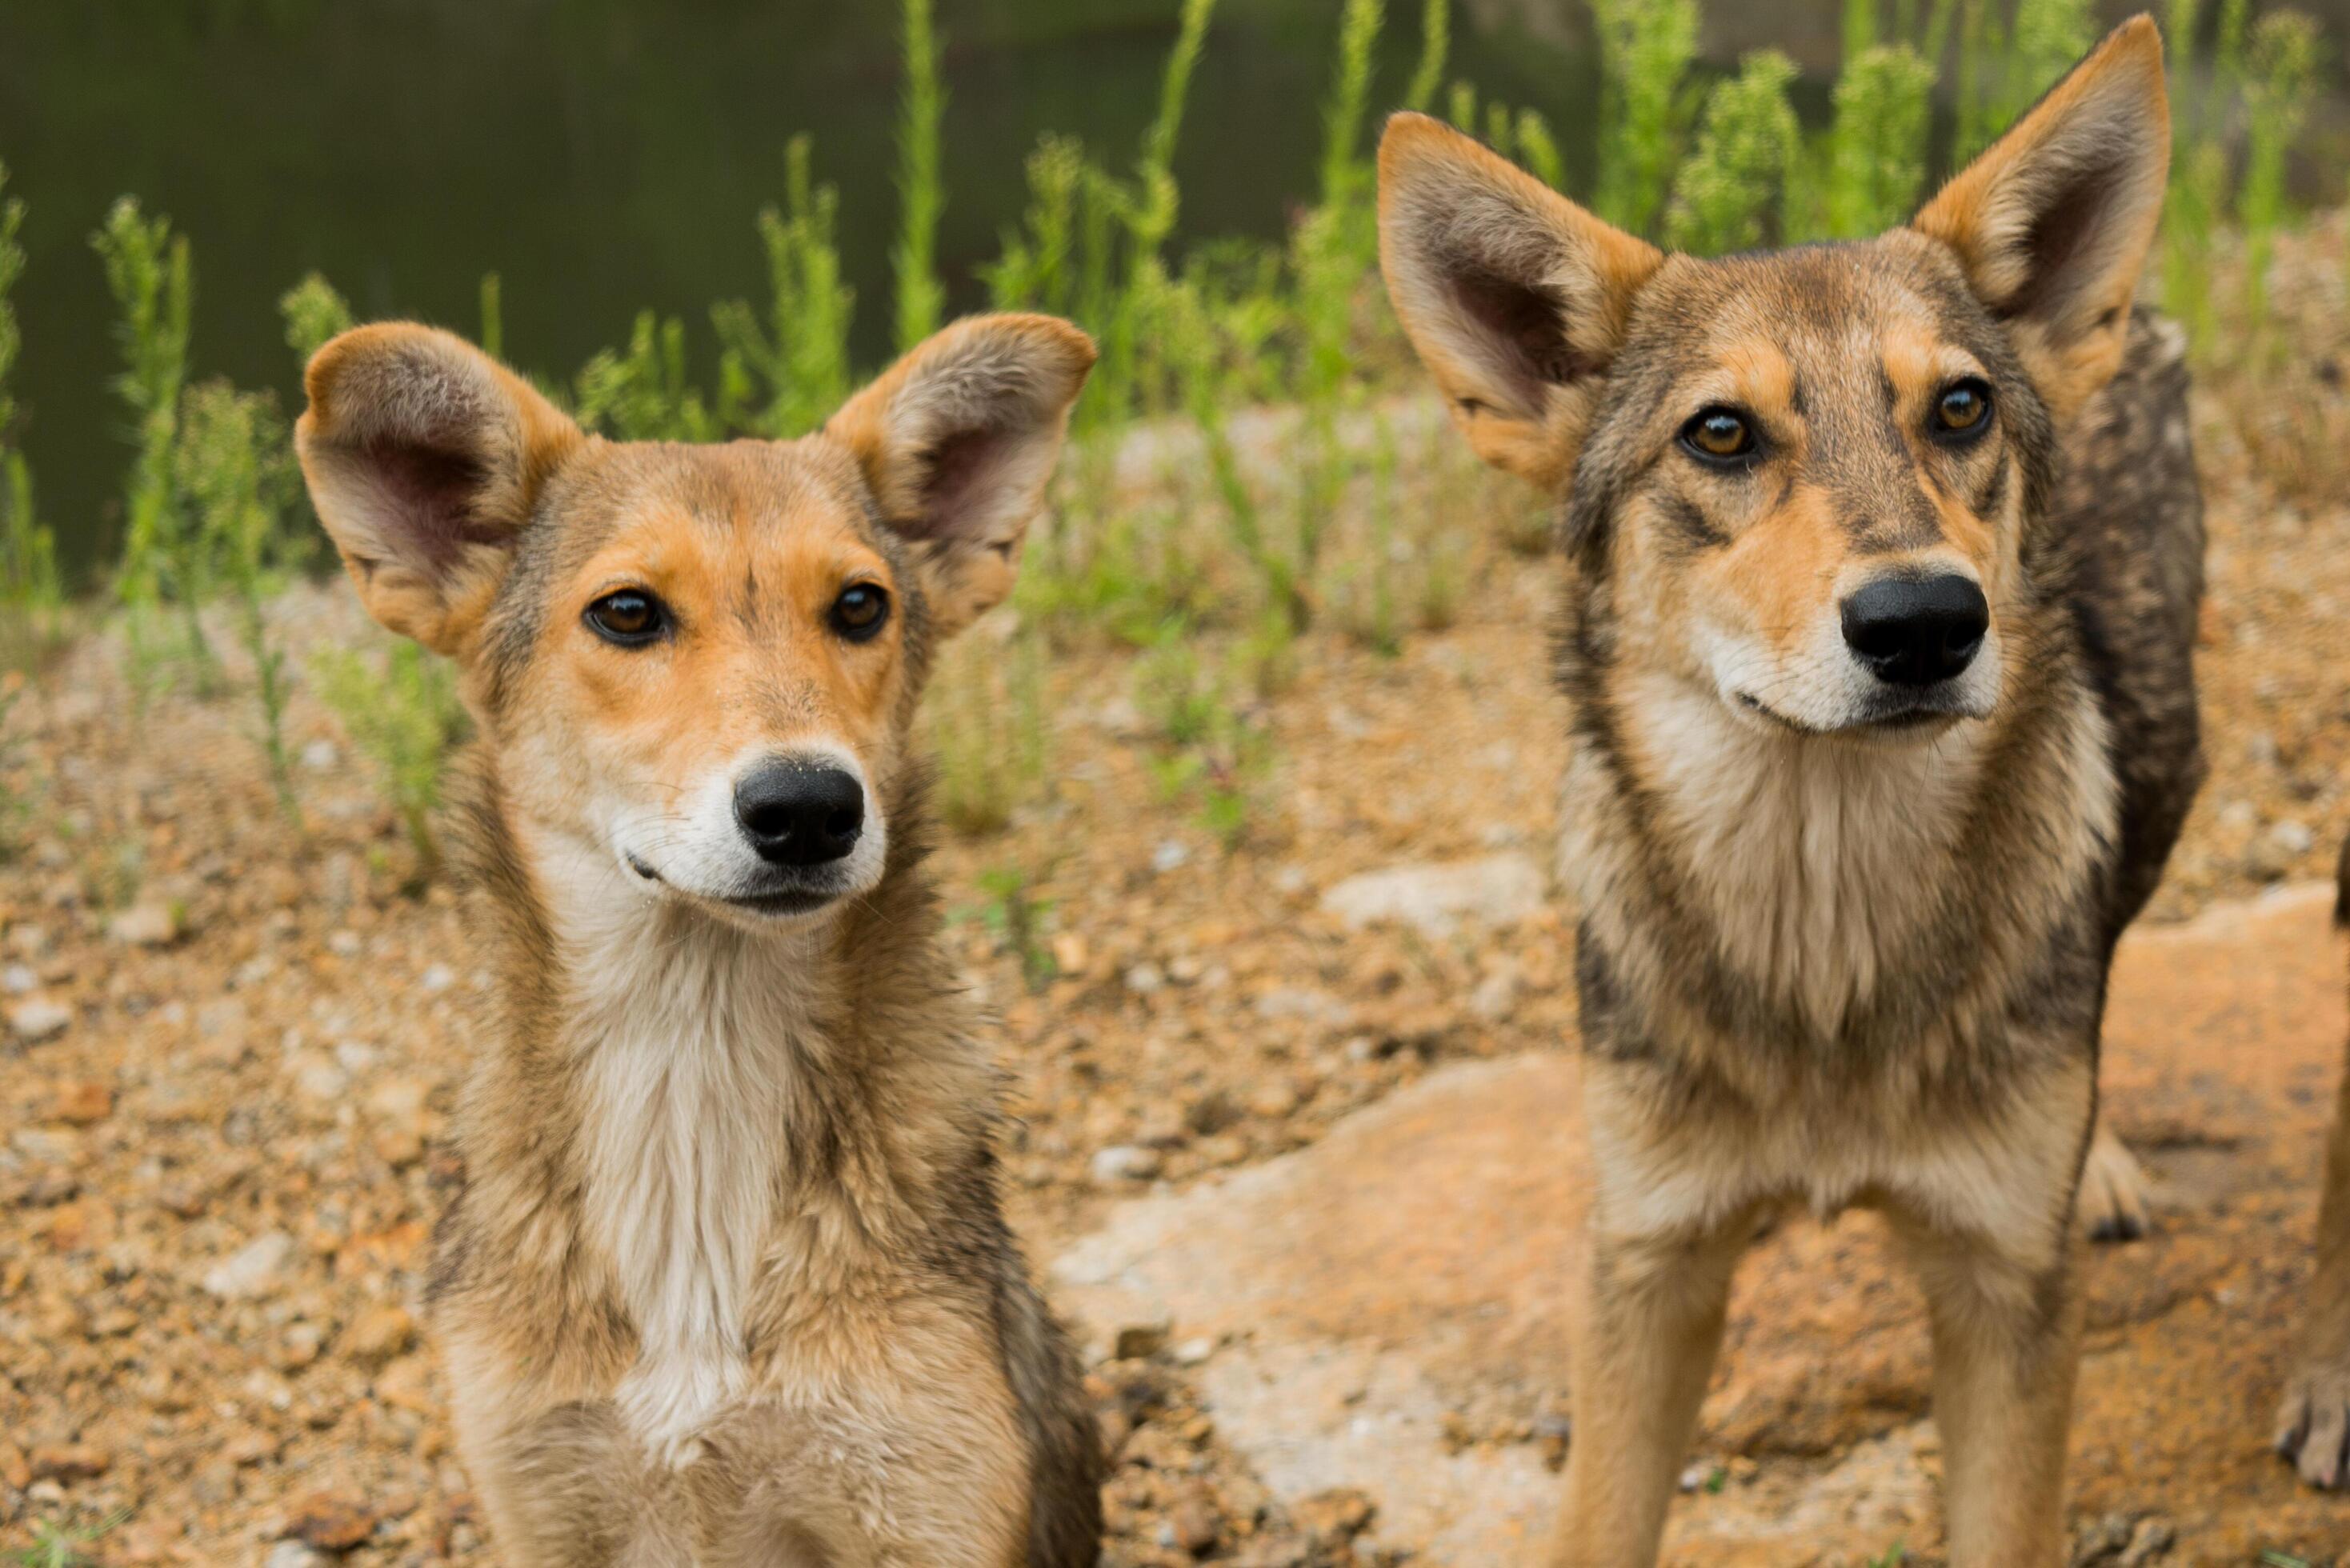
[1916,631]
[799,814]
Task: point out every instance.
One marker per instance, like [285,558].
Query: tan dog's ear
[1515,297]
[2052,224]
[424,457]
[957,439]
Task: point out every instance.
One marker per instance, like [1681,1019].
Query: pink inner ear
[431,491]
[957,470]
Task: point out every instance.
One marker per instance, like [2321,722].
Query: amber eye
[1964,409]
[859,611]
[1720,436]
[630,618]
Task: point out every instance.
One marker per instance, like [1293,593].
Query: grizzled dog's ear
[2052,223]
[424,457]
[957,440]
[1515,297]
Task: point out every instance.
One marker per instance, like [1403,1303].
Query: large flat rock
[1393,1305]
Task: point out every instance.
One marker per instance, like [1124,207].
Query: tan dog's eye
[1720,436]
[1964,409]
[859,611]
[630,618]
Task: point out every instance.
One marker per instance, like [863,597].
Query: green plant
[150,272]
[1735,181]
[494,316]
[1017,916]
[1645,50]
[643,393]
[405,716]
[2277,92]
[312,312]
[235,468]
[921,196]
[986,717]
[802,355]
[59,1546]
[1878,150]
[31,590]
[1435,44]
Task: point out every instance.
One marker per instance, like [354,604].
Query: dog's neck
[1815,867]
[689,1039]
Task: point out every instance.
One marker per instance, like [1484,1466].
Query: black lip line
[786,901]
[1907,719]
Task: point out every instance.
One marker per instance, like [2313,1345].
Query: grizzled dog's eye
[1963,409]
[630,618]
[859,611]
[1720,436]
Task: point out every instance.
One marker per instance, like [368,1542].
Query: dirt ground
[233,1047]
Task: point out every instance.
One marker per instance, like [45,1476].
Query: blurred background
[1248,795]
[608,156]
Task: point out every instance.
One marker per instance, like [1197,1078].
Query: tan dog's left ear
[957,439]
[2052,224]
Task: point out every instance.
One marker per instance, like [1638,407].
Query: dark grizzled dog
[1885,560]
[728,1285]
[2314,1427]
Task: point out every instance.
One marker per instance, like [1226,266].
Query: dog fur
[1835,951]
[2313,1426]
[728,1280]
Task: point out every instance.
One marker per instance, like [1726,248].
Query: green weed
[921,194]
[405,717]
[800,359]
[1730,194]
[313,313]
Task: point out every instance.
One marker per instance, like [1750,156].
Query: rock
[1496,996]
[438,978]
[399,1100]
[1411,1267]
[379,1335]
[1143,978]
[1141,1341]
[296,1554]
[1125,1162]
[1438,898]
[2149,1541]
[1171,854]
[146,925]
[320,756]
[19,980]
[406,1383]
[318,1079]
[1273,1099]
[1197,1523]
[82,1102]
[69,1461]
[253,1271]
[39,1018]
[329,1522]
[1304,1002]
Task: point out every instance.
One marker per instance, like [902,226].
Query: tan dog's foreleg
[2006,1330]
[1652,1327]
[2314,1426]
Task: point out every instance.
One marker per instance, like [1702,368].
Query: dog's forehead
[1828,314]
[743,494]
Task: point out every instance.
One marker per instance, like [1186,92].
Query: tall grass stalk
[921,194]
[2277,93]
[234,467]
[1730,194]
[801,355]
[313,313]
[1645,50]
[494,316]
[31,590]
[404,718]
[151,276]
[1878,151]
[1435,44]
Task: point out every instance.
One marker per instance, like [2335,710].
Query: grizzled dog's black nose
[799,814]
[1915,631]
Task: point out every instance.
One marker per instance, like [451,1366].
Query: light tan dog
[728,1282]
[1883,564]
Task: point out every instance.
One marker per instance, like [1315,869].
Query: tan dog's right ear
[424,457]
[1515,297]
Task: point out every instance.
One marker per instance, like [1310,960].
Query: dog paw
[2313,1423]
[2114,1191]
